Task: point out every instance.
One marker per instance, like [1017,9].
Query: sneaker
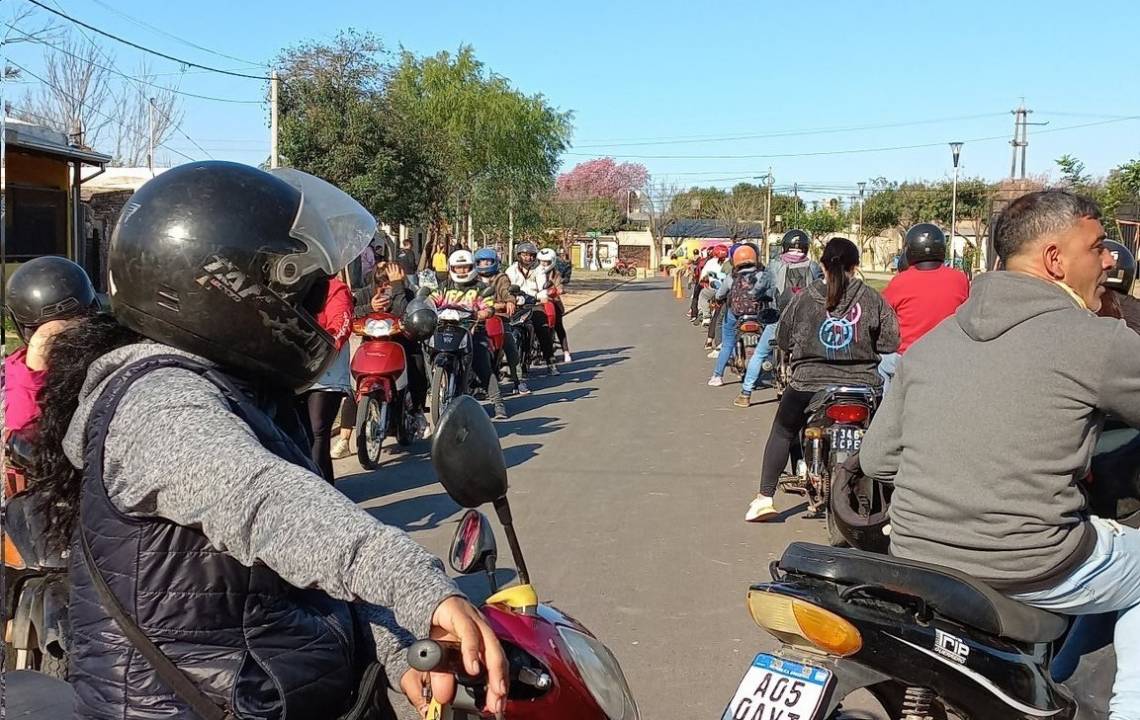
[705,322]
[501,411]
[522,388]
[552,368]
[423,427]
[708,344]
[716,381]
[743,400]
[760,509]
[713,353]
[340,448]
[566,357]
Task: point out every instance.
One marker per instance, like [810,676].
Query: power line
[136,46]
[131,77]
[174,37]
[854,151]
[791,133]
[75,99]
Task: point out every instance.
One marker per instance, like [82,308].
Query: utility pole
[1020,137]
[859,236]
[273,83]
[150,136]
[796,192]
[768,206]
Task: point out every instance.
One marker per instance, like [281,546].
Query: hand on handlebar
[456,619]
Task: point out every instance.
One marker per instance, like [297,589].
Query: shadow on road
[418,513]
[519,454]
[528,426]
[783,517]
[478,589]
[397,473]
[540,399]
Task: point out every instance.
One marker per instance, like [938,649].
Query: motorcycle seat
[949,593]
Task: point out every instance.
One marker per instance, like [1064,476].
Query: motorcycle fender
[375,385]
[54,617]
[402,380]
[445,360]
[24,618]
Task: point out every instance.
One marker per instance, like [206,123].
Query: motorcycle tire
[442,385]
[53,666]
[371,430]
[834,537]
[406,422]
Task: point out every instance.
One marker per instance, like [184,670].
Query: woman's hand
[456,619]
[380,302]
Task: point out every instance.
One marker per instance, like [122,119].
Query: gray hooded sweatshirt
[989,427]
[175,450]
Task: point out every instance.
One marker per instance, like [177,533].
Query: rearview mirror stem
[503,509]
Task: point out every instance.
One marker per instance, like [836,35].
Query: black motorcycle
[837,418]
[450,351]
[748,331]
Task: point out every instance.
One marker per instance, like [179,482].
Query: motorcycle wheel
[441,384]
[406,422]
[371,430]
[53,666]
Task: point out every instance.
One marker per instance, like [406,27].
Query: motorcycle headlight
[602,674]
[378,328]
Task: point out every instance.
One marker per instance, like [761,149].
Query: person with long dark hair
[212,570]
[835,332]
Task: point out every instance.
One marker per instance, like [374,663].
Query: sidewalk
[586,285]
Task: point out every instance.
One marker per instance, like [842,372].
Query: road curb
[601,294]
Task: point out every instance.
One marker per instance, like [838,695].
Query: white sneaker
[705,322]
[340,448]
[566,357]
[713,353]
[760,509]
[716,381]
[522,388]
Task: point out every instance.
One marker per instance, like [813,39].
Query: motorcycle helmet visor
[334,228]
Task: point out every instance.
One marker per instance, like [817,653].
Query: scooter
[748,331]
[35,577]
[558,669]
[383,402]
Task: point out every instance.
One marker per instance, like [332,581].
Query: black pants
[542,330]
[715,324]
[511,350]
[320,407]
[790,418]
[481,363]
[696,296]
[559,326]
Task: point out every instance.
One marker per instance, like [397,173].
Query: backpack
[740,298]
[795,280]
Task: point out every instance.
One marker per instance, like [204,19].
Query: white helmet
[462,258]
[546,257]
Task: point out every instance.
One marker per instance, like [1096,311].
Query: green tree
[820,222]
[1073,173]
[335,122]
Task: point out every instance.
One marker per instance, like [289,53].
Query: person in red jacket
[320,402]
[924,294]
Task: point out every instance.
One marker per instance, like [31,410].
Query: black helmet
[796,240]
[526,247]
[859,506]
[44,289]
[232,263]
[419,320]
[925,242]
[1123,272]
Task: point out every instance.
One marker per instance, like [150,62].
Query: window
[36,223]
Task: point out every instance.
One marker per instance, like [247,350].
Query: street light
[956,149]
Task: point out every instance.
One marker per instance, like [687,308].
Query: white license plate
[779,689]
[846,439]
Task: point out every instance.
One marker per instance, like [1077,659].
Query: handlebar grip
[436,656]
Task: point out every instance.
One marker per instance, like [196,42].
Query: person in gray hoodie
[169,460]
[835,331]
[989,429]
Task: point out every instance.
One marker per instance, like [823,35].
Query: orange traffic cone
[678,289]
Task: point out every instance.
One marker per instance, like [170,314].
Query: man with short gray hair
[991,421]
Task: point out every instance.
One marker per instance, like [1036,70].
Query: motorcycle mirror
[473,549]
[515,290]
[769,316]
[466,454]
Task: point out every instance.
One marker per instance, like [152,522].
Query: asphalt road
[629,482]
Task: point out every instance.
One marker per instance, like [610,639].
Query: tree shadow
[518,454]
[418,513]
[598,352]
[536,400]
[528,426]
[395,474]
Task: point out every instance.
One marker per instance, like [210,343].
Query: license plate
[846,439]
[779,689]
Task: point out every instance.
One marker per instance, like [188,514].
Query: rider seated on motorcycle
[169,459]
[835,332]
[488,266]
[992,423]
[788,275]
[392,295]
[531,280]
[45,296]
[742,292]
[462,290]
[548,259]
[709,272]
[924,294]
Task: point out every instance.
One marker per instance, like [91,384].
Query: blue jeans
[727,342]
[888,364]
[762,353]
[1108,581]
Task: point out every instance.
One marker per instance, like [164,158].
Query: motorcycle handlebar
[436,656]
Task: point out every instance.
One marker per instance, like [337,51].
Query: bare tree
[84,97]
[739,212]
[657,202]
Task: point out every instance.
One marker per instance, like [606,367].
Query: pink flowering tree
[602,178]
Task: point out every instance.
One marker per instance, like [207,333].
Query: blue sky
[641,71]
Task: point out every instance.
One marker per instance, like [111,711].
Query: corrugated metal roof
[37,138]
[695,228]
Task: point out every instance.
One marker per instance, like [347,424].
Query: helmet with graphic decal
[232,263]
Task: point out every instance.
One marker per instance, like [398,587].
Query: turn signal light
[12,557]
[803,625]
[813,433]
[848,413]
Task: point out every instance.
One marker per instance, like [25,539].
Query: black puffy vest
[252,642]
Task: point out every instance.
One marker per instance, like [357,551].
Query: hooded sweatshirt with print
[989,429]
[837,347]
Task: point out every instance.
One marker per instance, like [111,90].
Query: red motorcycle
[558,669]
[383,402]
[623,267]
